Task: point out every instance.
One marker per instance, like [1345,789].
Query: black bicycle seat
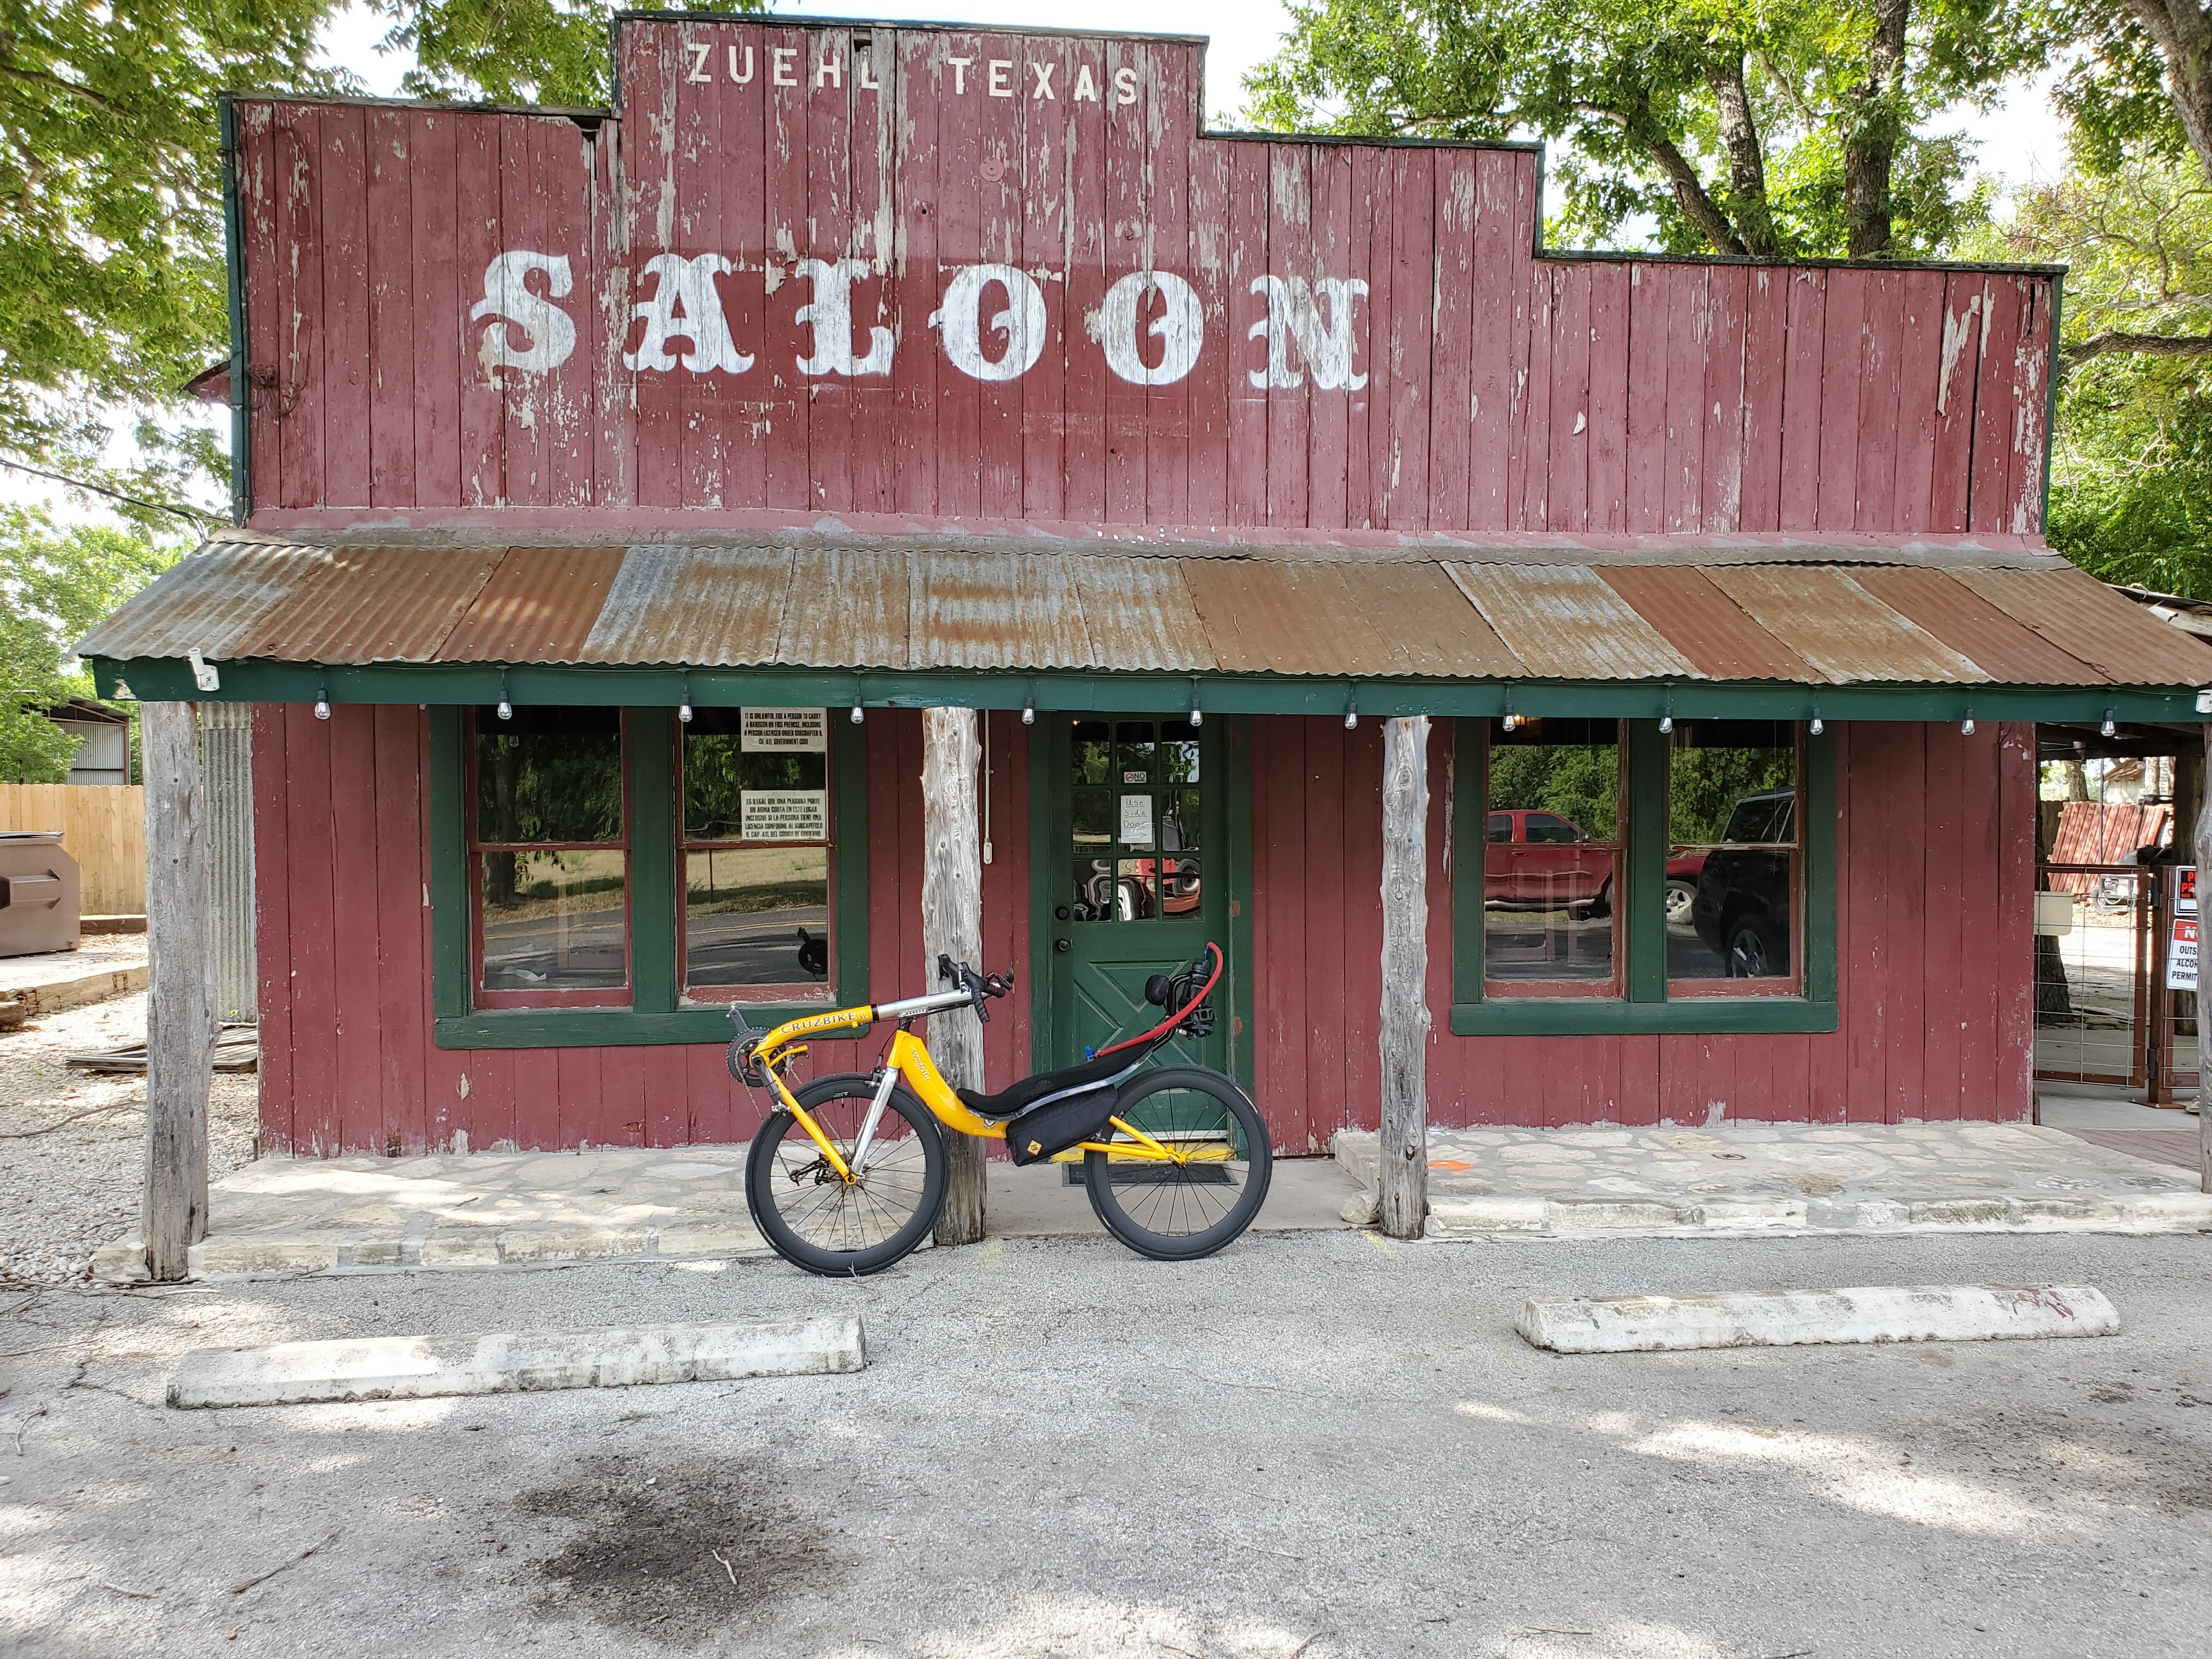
[1016,1097]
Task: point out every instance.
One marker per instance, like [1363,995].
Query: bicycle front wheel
[815,1219]
[1181,1209]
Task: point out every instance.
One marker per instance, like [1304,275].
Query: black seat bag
[1039,1132]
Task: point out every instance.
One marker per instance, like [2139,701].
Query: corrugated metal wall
[227,763]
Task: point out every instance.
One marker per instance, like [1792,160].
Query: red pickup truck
[1538,860]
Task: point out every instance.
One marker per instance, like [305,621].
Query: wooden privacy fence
[104,828]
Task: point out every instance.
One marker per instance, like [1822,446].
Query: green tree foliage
[541,51]
[112,295]
[1771,127]
[1580,781]
[54,586]
[2137,77]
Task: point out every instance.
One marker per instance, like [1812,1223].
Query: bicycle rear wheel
[1180,1211]
[815,1219]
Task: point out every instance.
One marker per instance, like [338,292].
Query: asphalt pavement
[1319,1444]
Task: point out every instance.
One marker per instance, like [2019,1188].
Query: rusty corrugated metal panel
[994,611]
[1564,622]
[207,601]
[373,604]
[712,607]
[1361,623]
[2084,618]
[1705,625]
[1839,627]
[847,609]
[1139,615]
[2003,646]
[540,605]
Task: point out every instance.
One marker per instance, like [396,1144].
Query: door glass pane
[717,774]
[1123,832]
[1136,894]
[1091,752]
[1093,898]
[1179,820]
[1552,834]
[1732,863]
[549,774]
[555,922]
[1092,811]
[1133,757]
[756,915]
[1178,752]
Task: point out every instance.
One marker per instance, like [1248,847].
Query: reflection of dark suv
[1742,906]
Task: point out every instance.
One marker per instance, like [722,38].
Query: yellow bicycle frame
[910,1058]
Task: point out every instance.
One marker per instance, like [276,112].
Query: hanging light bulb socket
[1351,709]
[1817,728]
[1667,719]
[683,708]
[322,702]
[1966,725]
[506,708]
[1029,705]
[1197,714]
[1511,719]
[2110,728]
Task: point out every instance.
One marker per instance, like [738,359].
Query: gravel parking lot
[73,1146]
[1323,1445]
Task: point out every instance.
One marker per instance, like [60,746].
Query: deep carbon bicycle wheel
[1180,1212]
[813,1218]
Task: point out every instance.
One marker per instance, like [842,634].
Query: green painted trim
[1601,1016]
[449,864]
[1236,843]
[1047,831]
[656,878]
[602,1028]
[234,247]
[1139,693]
[1470,764]
[657,1014]
[1642,890]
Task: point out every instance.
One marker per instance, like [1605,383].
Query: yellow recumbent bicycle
[848,1172]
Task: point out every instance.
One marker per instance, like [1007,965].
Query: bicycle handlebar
[977,985]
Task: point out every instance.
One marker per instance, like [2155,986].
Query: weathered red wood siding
[1935,867]
[1504,392]
[348,1062]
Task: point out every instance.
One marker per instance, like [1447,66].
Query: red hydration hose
[1179,1014]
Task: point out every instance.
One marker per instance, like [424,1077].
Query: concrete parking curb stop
[427,1367]
[1882,1312]
[260,1256]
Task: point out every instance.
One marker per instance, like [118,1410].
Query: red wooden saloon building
[616,489]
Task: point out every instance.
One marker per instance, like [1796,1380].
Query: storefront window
[1552,844]
[1134,802]
[550,851]
[757,849]
[1734,877]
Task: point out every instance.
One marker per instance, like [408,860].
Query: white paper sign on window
[783,731]
[783,814]
[1136,820]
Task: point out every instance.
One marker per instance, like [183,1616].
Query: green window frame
[655,1013]
[1644,1005]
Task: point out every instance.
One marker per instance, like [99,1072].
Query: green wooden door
[1136,876]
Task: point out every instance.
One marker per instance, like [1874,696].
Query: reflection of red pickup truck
[1548,863]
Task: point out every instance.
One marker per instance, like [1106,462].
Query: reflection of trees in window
[1571,768]
[1713,765]
[546,776]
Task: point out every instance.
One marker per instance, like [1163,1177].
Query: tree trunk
[952,926]
[1689,190]
[2203,855]
[1754,217]
[1404,1139]
[180,1004]
[2183,29]
[1877,126]
[2077,779]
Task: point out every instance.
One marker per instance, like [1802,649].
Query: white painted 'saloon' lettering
[1181,328]
[684,305]
[1294,311]
[1023,322]
[830,316]
[509,304]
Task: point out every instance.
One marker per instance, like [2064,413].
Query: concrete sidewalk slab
[1775,1179]
[427,1367]
[1876,1313]
[284,1216]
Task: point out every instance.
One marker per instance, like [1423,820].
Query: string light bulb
[2109,729]
[1966,725]
[1351,711]
[322,702]
[683,708]
[1817,728]
[1667,719]
[857,716]
[1029,707]
[506,709]
[1197,714]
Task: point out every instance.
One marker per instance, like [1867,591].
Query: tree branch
[193,514]
[2115,342]
[1738,128]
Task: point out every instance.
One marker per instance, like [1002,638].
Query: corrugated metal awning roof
[1649,613]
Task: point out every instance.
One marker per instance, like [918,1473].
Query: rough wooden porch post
[180,1004]
[1405,1039]
[952,926]
[2203,853]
